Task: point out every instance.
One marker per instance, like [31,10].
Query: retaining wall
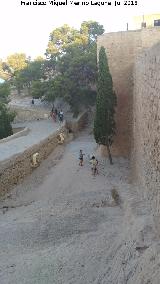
[79,123]
[15,169]
[24,114]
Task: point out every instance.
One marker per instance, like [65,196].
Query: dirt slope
[63,226]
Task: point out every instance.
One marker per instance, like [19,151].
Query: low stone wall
[79,123]
[24,114]
[14,170]
[23,132]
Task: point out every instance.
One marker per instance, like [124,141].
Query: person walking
[61,116]
[94,165]
[81,154]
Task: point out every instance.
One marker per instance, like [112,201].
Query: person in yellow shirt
[94,165]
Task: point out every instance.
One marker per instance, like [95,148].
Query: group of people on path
[93,161]
[55,113]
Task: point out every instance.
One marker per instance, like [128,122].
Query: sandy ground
[63,226]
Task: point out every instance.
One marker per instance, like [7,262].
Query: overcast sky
[27,28]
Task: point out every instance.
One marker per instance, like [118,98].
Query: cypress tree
[104,123]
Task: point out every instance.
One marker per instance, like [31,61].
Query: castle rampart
[146,126]
[134,61]
[122,49]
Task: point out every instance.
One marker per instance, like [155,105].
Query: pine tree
[104,123]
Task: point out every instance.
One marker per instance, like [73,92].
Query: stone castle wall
[134,61]
[122,49]
[146,124]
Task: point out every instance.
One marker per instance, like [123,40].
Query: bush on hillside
[6,117]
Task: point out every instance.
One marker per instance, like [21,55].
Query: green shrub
[115,196]
[6,117]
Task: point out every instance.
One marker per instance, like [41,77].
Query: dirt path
[62,225]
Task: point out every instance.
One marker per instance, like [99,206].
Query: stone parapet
[14,170]
[18,134]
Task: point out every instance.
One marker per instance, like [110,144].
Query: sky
[26,28]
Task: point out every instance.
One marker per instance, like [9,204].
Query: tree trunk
[109,154]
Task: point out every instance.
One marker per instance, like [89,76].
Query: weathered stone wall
[15,169]
[146,125]
[24,114]
[122,49]
[77,124]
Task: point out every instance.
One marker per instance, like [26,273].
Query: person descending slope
[81,154]
[61,116]
[94,164]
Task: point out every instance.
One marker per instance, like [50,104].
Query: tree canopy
[4,92]
[17,61]
[75,55]
[69,69]
[66,37]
